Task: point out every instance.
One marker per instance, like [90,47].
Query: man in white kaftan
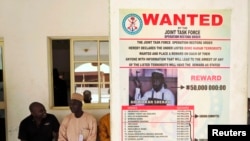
[158,95]
[79,125]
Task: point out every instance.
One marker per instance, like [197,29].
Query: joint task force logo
[132,24]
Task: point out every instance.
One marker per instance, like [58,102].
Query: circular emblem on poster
[132,24]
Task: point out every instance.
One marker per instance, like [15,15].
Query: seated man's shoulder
[105,117]
[50,115]
[26,120]
[89,115]
[68,116]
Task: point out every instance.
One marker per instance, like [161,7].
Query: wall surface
[25,26]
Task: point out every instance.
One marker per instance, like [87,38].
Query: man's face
[75,106]
[157,81]
[38,111]
[87,96]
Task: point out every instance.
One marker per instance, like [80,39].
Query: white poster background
[238,76]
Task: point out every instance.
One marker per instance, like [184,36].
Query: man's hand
[137,82]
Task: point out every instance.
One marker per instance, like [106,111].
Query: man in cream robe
[79,125]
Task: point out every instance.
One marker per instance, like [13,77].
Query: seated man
[78,125]
[104,128]
[39,125]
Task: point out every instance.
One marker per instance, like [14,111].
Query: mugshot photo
[153,87]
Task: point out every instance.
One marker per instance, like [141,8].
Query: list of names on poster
[172,123]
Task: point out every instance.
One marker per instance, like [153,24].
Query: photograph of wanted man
[152,87]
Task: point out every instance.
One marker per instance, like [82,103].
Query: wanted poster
[172,60]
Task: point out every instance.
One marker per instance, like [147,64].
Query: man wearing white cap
[79,125]
[158,95]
